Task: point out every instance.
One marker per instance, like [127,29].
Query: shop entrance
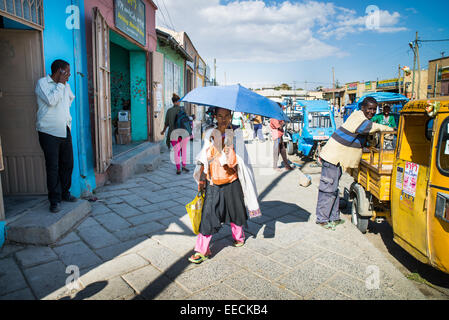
[128,94]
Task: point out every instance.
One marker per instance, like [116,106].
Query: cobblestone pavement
[136,242]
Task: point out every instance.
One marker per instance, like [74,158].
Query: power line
[433,40]
[162,13]
[168,13]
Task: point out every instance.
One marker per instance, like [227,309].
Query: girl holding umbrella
[228,182]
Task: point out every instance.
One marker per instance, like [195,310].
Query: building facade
[120,41]
[438,75]
[30,47]
[169,76]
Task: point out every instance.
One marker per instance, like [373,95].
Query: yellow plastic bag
[194,210]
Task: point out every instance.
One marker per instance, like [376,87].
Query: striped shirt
[344,148]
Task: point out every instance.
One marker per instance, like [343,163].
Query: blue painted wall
[61,42]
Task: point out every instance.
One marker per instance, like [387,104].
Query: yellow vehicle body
[411,189]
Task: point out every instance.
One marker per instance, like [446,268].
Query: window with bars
[30,11]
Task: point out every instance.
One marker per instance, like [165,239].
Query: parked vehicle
[311,129]
[408,185]
[396,101]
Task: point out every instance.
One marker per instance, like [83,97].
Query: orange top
[218,174]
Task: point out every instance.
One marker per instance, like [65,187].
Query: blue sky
[258,43]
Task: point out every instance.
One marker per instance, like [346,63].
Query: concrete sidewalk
[137,240]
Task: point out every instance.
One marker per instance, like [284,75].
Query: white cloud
[259,32]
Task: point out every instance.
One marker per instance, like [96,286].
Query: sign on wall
[130,18]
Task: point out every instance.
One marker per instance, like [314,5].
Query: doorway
[21,66]
[128,94]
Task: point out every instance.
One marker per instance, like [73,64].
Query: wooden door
[102,91]
[21,66]
[158,95]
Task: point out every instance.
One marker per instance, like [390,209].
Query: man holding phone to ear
[54,98]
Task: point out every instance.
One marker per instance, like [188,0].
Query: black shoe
[178,171]
[55,207]
[69,198]
[185,169]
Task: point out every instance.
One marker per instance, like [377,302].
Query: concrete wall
[62,39]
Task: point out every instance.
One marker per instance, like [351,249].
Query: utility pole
[419,66]
[215,72]
[414,61]
[333,86]
[399,79]
[294,90]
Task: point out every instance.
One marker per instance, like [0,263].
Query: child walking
[228,183]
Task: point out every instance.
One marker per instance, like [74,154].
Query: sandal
[197,258]
[327,225]
[337,222]
[238,243]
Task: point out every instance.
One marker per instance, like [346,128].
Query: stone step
[39,226]
[124,166]
[149,163]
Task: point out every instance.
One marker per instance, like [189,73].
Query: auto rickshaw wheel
[290,148]
[360,204]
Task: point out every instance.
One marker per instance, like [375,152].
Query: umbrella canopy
[235,98]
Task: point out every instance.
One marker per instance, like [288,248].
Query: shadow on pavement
[89,291]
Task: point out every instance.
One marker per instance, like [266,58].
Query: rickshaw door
[438,197]
[409,186]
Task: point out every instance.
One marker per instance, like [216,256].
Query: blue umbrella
[235,98]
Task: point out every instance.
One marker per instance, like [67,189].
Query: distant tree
[283,86]
[319,88]
[337,85]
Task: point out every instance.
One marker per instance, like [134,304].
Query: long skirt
[223,204]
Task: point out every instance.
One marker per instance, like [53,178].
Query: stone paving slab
[208,273]
[46,278]
[11,278]
[23,294]
[97,237]
[125,210]
[135,200]
[33,256]
[150,283]
[115,288]
[220,291]
[77,254]
[71,237]
[123,248]
[152,216]
[358,289]
[257,263]
[113,222]
[140,230]
[9,249]
[257,288]
[114,268]
[307,278]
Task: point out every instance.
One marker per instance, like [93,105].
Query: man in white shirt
[54,98]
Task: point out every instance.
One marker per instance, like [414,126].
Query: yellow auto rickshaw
[408,184]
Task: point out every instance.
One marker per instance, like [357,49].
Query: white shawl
[244,170]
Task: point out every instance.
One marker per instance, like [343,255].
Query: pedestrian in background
[343,150]
[277,131]
[257,125]
[180,143]
[228,182]
[54,98]
[237,120]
